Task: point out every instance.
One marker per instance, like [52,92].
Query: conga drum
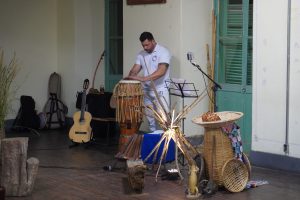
[129,99]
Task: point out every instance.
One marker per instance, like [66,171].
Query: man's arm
[134,71]
[161,70]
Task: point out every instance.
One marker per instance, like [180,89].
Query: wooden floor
[77,173]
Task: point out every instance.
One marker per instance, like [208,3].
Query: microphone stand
[216,84]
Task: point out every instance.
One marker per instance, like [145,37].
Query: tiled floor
[77,173]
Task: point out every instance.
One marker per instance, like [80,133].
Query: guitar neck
[83,104]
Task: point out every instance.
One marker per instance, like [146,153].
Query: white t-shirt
[149,63]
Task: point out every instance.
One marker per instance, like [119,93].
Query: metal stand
[55,108]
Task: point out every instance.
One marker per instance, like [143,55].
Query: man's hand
[138,78]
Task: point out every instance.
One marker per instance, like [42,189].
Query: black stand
[179,87]
[216,84]
[55,108]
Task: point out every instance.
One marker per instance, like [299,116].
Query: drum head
[129,81]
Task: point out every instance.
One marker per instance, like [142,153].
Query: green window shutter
[113,43]
[231,40]
[249,63]
[116,37]
[250,42]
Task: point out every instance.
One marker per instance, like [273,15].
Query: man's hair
[146,36]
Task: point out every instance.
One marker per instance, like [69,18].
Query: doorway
[234,62]
[113,43]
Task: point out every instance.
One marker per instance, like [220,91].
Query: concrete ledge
[274,161]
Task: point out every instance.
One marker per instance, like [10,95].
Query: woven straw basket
[223,152]
[247,163]
[235,175]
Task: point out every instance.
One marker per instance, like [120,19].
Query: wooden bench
[108,121]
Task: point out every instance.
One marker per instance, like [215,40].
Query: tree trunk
[18,173]
[136,173]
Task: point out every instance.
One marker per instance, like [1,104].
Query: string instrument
[81,131]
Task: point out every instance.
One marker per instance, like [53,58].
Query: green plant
[8,73]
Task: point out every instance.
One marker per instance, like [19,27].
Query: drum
[129,99]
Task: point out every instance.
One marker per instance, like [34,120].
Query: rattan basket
[235,175]
[247,163]
[223,152]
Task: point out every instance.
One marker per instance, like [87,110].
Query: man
[154,60]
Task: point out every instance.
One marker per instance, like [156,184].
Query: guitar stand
[55,109]
[90,143]
[87,144]
[74,144]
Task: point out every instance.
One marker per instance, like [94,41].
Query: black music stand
[183,89]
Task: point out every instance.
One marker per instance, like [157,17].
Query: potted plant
[8,73]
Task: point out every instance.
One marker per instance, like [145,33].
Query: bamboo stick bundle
[184,150]
[187,109]
[187,143]
[210,83]
[154,159]
[214,22]
[122,154]
[156,146]
[128,149]
[136,153]
[133,148]
[164,152]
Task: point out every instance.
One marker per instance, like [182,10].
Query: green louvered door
[234,62]
[113,43]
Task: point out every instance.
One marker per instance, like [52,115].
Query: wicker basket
[247,163]
[223,152]
[235,175]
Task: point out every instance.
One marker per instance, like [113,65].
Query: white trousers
[150,100]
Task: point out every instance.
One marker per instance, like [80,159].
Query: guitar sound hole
[80,132]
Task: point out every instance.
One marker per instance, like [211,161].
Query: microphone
[189,56]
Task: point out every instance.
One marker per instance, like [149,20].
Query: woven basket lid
[227,117]
[235,175]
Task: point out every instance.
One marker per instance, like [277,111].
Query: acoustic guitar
[81,131]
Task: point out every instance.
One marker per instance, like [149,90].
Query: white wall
[81,42]
[294,122]
[196,33]
[181,26]
[68,37]
[270,77]
[53,36]
[29,29]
